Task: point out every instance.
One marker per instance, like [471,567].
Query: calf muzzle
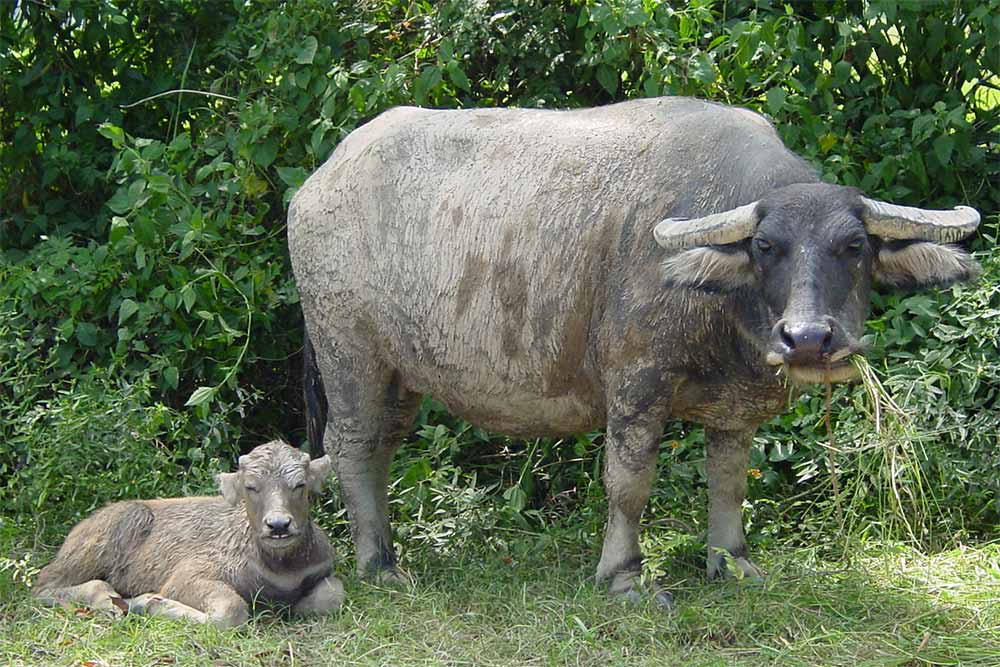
[278,529]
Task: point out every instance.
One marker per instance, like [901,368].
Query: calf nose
[278,523]
[806,341]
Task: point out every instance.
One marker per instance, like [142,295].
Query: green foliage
[142,235]
[937,467]
[100,440]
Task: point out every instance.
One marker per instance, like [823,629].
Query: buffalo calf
[205,558]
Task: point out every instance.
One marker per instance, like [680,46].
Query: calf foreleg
[325,596]
[152,604]
[217,601]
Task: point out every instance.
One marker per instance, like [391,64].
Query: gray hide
[504,261]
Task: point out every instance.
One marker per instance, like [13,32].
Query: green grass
[890,606]
[497,586]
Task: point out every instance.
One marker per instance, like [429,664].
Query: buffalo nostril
[278,524]
[807,340]
[786,337]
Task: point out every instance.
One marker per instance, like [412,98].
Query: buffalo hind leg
[362,459]
[629,469]
[370,413]
[727,454]
[96,594]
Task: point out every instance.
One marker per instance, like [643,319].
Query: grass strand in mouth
[874,451]
[831,462]
[889,454]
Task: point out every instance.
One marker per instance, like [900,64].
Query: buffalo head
[273,484]
[811,252]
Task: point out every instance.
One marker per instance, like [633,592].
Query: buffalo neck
[297,556]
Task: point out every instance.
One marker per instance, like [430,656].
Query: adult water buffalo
[554,272]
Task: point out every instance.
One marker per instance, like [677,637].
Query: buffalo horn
[905,222]
[716,229]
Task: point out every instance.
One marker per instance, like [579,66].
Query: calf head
[812,252]
[274,482]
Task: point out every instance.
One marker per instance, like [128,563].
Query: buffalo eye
[855,246]
[299,486]
[250,488]
[763,245]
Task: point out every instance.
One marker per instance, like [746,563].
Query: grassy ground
[889,606]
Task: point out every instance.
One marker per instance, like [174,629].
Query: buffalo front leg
[629,470]
[187,596]
[152,604]
[727,455]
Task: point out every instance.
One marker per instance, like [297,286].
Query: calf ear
[229,486]
[913,264]
[724,268]
[318,470]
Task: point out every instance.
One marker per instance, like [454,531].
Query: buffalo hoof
[731,567]
[629,587]
[326,596]
[145,604]
[392,576]
[112,605]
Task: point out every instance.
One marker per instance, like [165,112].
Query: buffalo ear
[318,470]
[229,486]
[722,267]
[915,264]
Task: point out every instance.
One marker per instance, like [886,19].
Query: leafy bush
[72,442]
[98,440]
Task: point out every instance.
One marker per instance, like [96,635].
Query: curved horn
[716,229]
[905,222]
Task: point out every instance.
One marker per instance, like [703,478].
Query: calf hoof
[96,595]
[730,567]
[144,604]
[112,605]
[629,587]
[228,613]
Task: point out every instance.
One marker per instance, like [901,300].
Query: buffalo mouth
[836,367]
[280,540]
